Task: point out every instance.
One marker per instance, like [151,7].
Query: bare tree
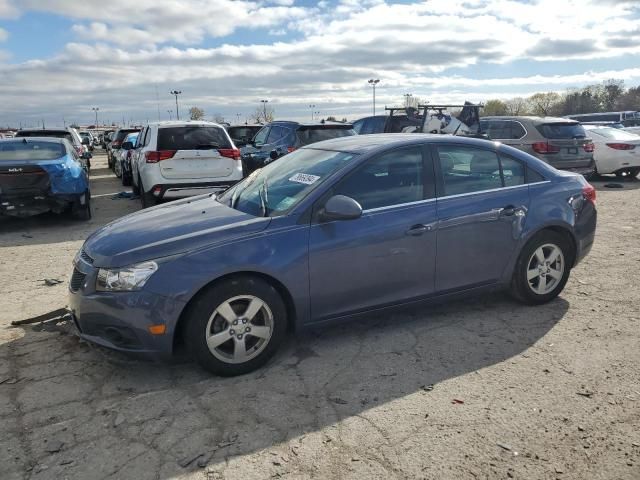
[218,118]
[543,103]
[263,114]
[196,113]
[516,106]
[494,108]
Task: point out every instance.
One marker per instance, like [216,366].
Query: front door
[482,207]
[387,256]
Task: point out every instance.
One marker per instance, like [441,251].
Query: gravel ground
[485,388]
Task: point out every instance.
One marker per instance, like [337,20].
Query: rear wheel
[126,179]
[147,199]
[628,172]
[80,210]
[135,188]
[543,268]
[235,327]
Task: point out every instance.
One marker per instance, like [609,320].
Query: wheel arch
[563,230]
[282,290]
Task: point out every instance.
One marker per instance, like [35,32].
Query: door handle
[508,211]
[419,229]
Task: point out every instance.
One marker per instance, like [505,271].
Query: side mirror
[274,155]
[340,207]
[127,146]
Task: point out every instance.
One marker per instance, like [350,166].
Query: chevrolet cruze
[330,231]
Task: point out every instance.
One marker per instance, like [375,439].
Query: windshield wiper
[264,198]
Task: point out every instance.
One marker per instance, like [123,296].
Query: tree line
[608,96]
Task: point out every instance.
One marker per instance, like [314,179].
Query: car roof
[31,139]
[61,130]
[307,124]
[238,125]
[365,143]
[182,123]
[531,118]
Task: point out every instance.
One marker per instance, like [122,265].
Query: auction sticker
[305,178]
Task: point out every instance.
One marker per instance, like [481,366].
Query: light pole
[264,107]
[312,107]
[407,97]
[373,83]
[317,114]
[95,109]
[169,112]
[237,118]
[176,93]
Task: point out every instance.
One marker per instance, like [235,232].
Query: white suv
[180,159]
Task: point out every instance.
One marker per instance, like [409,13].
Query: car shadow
[108,412]
[613,183]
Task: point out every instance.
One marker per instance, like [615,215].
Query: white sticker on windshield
[305,178]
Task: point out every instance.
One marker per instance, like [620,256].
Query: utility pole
[264,107]
[373,83]
[95,109]
[176,93]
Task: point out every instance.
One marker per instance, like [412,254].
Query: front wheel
[542,269]
[80,210]
[235,327]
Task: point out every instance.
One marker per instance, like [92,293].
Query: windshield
[281,185]
[47,133]
[614,134]
[31,150]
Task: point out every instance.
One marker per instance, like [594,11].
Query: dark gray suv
[560,142]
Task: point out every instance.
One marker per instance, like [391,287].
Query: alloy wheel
[239,329]
[545,269]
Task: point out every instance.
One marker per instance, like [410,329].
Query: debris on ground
[54,315]
[614,185]
[504,446]
[54,446]
[126,195]
[338,400]
[586,393]
[427,388]
[50,282]
[119,420]
[457,401]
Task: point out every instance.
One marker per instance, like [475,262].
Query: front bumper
[121,320]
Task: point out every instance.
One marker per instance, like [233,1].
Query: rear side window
[561,130]
[307,136]
[192,138]
[466,170]
[276,134]
[32,150]
[502,129]
[512,172]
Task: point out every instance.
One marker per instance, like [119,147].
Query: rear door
[198,152]
[482,207]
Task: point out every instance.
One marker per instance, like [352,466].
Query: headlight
[125,279]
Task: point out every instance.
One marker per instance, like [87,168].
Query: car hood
[169,229]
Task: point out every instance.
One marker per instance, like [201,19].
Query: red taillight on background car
[290,149]
[589,193]
[544,147]
[156,190]
[155,157]
[589,147]
[621,146]
[230,153]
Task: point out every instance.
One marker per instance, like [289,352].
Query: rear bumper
[182,190]
[34,204]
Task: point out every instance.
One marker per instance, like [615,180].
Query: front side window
[261,136]
[466,170]
[393,178]
[275,134]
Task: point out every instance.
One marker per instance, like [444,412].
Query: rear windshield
[243,132]
[47,133]
[313,135]
[192,138]
[557,131]
[123,133]
[33,150]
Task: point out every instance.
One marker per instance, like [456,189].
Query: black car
[116,142]
[282,136]
[242,134]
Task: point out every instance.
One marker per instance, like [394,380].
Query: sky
[61,58]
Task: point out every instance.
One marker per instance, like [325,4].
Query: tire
[205,320]
[545,286]
[117,168]
[126,179]
[147,199]
[134,188]
[82,212]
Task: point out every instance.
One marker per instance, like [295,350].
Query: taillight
[589,193]
[544,147]
[290,149]
[589,147]
[155,157]
[621,146]
[230,153]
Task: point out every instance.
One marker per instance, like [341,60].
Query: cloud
[3,35]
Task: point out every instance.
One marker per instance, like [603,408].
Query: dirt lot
[480,389]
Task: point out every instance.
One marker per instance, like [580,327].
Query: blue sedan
[330,231]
